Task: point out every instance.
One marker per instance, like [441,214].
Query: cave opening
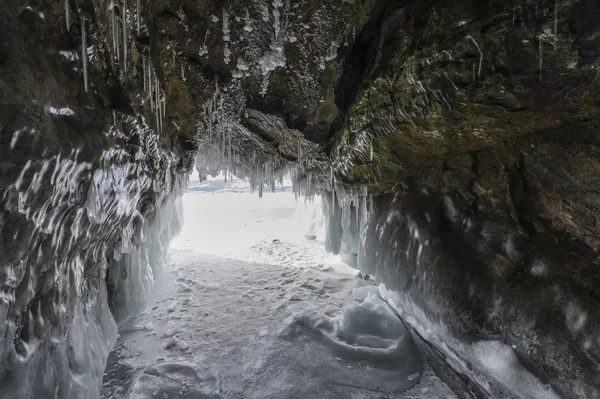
[250,304]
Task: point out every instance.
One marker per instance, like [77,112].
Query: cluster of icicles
[229,148]
[121,20]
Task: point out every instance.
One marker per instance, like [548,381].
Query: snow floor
[248,308]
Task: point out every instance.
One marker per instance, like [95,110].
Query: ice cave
[299,199]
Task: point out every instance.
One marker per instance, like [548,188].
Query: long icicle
[124,15]
[84,53]
[164,103]
[144,73]
[67,15]
[117,40]
[150,86]
[137,10]
[160,113]
[541,56]
[230,165]
[156,110]
[156,100]
[114,36]
[555,19]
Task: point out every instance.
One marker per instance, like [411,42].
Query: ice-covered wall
[500,310]
[88,188]
[77,254]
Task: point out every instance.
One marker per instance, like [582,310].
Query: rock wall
[87,196]
[478,125]
[492,258]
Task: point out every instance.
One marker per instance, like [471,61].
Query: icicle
[363,208]
[67,15]
[150,86]
[331,177]
[117,40]
[157,102]
[333,199]
[137,10]
[124,15]
[480,54]
[156,112]
[371,155]
[159,108]
[555,19]
[112,22]
[144,73]
[541,55]
[84,53]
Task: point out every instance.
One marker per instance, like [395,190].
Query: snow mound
[171,381]
[367,336]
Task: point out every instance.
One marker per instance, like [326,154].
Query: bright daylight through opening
[251,305]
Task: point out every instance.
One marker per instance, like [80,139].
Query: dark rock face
[456,144]
[463,254]
[483,127]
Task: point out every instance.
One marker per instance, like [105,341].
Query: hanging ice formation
[226,37]
[275,57]
[84,53]
[541,55]
[124,19]
[67,15]
[480,55]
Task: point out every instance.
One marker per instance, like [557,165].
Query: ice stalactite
[226,37]
[204,49]
[67,15]
[150,84]
[555,20]
[275,57]
[144,73]
[116,34]
[230,164]
[124,19]
[138,16]
[164,105]
[156,102]
[480,55]
[247,22]
[113,23]
[84,57]
[541,56]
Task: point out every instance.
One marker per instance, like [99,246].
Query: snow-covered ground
[247,307]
